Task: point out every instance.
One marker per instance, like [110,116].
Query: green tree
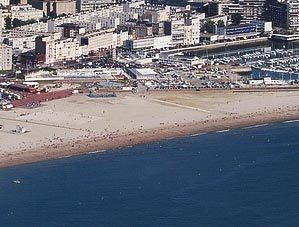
[62,15]
[52,15]
[44,19]
[220,24]
[17,23]
[14,2]
[31,21]
[209,26]
[7,23]
[236,18]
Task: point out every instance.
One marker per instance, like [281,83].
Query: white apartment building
[90,26]
[57,6]
[103,40]
[163,14]
[252,10]
[1,23]
[108,17]
[158,42]
[67,49]
[109,22]
[186,31]
[86,5]
[64,7]
[159,15]
[178,31]
[39,28]
[25,12]
[135,8]
[161,42]
[21,44]
[188,35]
[293,15]
[136,3]
[123,17]
[121,38]
[54,49]
[4,2]
[100,40]
[229,9]
[146,43]
[18,32]
[5,57]
[195,25]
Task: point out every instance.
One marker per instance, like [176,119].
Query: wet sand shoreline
[98,144]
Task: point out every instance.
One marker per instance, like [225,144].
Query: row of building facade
[138,25]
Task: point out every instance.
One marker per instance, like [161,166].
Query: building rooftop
[145,71]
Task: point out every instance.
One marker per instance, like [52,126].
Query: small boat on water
[16,181]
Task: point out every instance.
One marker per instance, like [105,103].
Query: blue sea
[243,177]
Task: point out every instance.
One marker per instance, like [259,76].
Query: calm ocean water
[245,177]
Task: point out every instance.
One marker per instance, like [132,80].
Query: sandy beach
[79,124]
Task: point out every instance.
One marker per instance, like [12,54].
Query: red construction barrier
[41,97]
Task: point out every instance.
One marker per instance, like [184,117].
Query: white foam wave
[221,131]
[255,126]
[94,152]
[291,121]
